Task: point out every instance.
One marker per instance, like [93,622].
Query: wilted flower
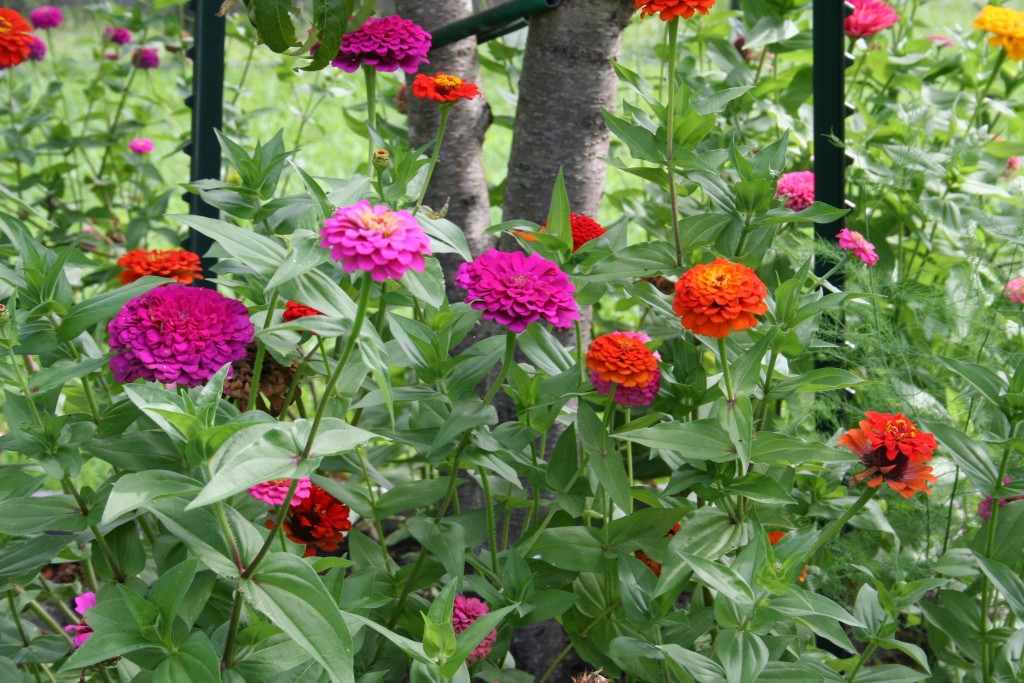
[443,88]
[798,187]
[1015,290]
[274,492]
[46,16]
[83,603]
[15,38]
[714,299]
[869,17]
[516,290]
[319,522]
[985,506]
[37,51]
[375,239]
[1007,25]
[141,146]
[385,44]
[464,613]
[145,58]
[622,358]
[274,384]
[176,264]
[855,242]
[892,449]
[121,36]
[178,335]
[670,9]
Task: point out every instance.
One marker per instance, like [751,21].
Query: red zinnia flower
[177,264]
[670,9]
[714,299]
[776,536]
[584,229]
[294,311]
[15,38]
[443,88]
[893,450]
[623,358]
[319,522]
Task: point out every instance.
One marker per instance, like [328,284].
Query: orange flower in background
[1007,25]
[714,299]
[654,566]
[776,536]
[622,358]
[670,9]
[177,264]
[15,38]
[443,88]
[893,450]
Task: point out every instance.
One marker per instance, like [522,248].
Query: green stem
[101,542]
[583,634]
[225,527]
[227,660]
[988,85]
[986,586]
[261,350]
[16,616]
[114,122]
[373,505]
[48,619]
[485,482]
[245,73]
[861,661]
[371,112]
[506,364]
[629,464]
[670,133]
[445,109]
[832,529]
[724,358]
[762,412]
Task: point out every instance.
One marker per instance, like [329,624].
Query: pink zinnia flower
[516,290]
[375,239]
[854,241]
[121,36]
[869,17]
[942,41]
[985,506]
[1012,164]
[798,187]
[45,17]
[83,603]
[1015,290]
[145,58]
[274,492]
[37,50]
[141,145]
[631,397]
[177,334]
[464,613]
[385,44]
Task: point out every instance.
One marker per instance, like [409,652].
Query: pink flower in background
[1015,290]
[145,58]
[1012,164]
[385,44]
[141,145]
[985,506]
[464,613]
[83,603]
[855,242]
[375,239]
[274,492]
[45,17]
[869,17]
[121,36]
[798,187]
[515,290]
[37,50]
[942,41]
[177,334]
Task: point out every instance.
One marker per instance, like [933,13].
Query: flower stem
[445,109]
[371,113]
[226,661]
[861,661]
[114,122]
[986,586]
[261,350]
[724,358]
[762,412]
[101,541]
[373,504]
[629,464]
[485,482]
[832,529]
[988,85]
[670,134]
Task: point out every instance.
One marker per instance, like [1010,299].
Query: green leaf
[28,556]
[473,636]
[1006,580]
[698,440]
[717,101]
[572,548]
[743,655]
[641,142]
[330,17]
[195,661]
[170,589]
[409,647]
[689,663]
[197,529]
[261,253]
[289,592]
[803,671]
[605,462]
[273,23]
[445,540]
[761,488]
[316,289]
[558,223]
[725,580]
[771,448]
[427,286]
[649,523]
[25,516]
[137,451]
[410,495]
[987,383]
[305,255]
[968,454]
[891,673]
[820,379]
[103,307]
[63,371]
[137,490]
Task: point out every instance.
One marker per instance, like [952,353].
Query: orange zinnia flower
[177,264]
[776,536]
[717,298]
[893,450]
[653,565]
[15,38]
[622,358]
[443,88]
[670,9]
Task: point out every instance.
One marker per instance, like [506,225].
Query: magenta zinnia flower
[855,242]
[274,492]
[516,290]
[46,16]
[1015,290]
[145,58]
[385,44]
[985,506]
[37,50]
[375,239]
[464,613]
[631,397]
[177,334]
[83,603]
[141,145]
[798,187]
[869,17]
[121,36]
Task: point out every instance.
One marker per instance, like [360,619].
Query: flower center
[624,342]
[384,223]
[5,26]
[447,82]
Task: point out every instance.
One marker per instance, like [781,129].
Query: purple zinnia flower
[141,145]
[37,50]
[83,603]
[631,397]
[145,58]
[121,36]
[985,506]
[46,16]
[798,187]
[382,242]
[274,492]
[516,290]
[386,44]
[177,334]
[464,613]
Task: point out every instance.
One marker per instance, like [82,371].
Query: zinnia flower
[45,17]
[145,58]
[776,536]
[869,17]
[714,299]
[655,567]
[319,522]
[584,228]
[985,506]
[622,358]
[1007,25]
[37,51]
[121,36]
[274,492]
[385,44]
[178,335]
[855,242]
[464,613]
[375,239]
[294,311]
[670,9]
[83,603]
[941,41]
[443,88]
[516,290]
[15,38]
[798,188]
[1015,290]
[176,264]
[892,449]
[141,146]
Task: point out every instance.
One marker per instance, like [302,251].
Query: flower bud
[5,315]
[381,159]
